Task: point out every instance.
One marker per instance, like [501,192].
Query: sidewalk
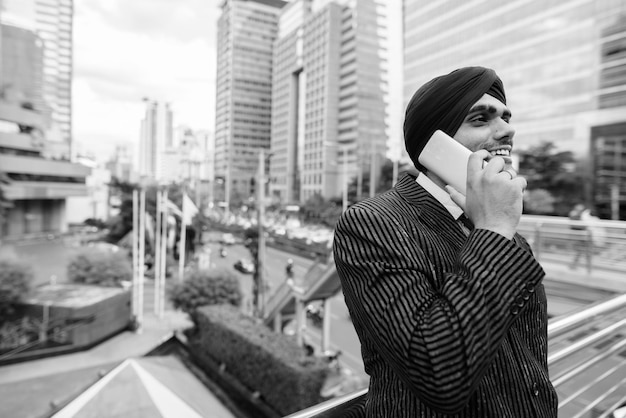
[116,349]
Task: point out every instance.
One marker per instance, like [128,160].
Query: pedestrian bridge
[587,345]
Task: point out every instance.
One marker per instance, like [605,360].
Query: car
[244,266]
[228,239]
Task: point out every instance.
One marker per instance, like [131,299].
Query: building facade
[329,101]
[246,32]
[156,136]
[37,181]
[562,64]
[51,21]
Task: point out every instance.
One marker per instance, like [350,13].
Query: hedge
[206,287]
[100,267]
[265,361]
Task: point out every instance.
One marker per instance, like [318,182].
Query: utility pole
[344,199]
[261,240]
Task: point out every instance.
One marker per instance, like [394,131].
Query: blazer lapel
[429,210]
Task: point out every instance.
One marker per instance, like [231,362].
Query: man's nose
[504,130]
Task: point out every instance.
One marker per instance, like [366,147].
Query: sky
[165,50]
[125,51]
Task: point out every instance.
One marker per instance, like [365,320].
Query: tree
[16,279]
[104,267]
[554,171]
[385,181]
[122,224]
[538,202]
[206,287]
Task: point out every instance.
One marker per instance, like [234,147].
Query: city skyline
[162,50]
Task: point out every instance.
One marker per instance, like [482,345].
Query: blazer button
[530,288]
[514,310]
[535,389]
[526,296]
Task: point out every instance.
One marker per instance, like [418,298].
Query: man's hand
[494,194]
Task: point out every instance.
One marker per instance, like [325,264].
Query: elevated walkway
[319,283]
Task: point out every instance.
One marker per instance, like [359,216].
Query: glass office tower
[563,64]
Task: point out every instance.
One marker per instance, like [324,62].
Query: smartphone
[446,158]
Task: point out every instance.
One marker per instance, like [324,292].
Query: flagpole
[142,249]
[163,269]
[183,233]
[135,255]
[157,253]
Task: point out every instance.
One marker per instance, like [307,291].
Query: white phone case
[446,158]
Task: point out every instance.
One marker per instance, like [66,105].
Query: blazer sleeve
[439,339]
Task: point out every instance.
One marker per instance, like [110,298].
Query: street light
[260,225]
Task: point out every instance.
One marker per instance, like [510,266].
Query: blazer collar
[412,192]
[427,205]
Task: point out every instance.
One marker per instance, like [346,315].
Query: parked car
[228,239]
[244,266]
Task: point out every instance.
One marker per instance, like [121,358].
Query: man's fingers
[477,160]
[456,196]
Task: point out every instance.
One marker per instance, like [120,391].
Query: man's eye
[480,118]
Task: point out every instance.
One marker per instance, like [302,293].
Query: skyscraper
[21,66]
[156,136]
[561,62]
[36,186]
[246,31]
[329,98]
[51,21]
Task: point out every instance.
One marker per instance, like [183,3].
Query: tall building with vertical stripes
[329,117]
[156,137]
[562,62]
[52,22]
[246,32]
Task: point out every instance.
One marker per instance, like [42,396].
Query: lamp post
[261,231]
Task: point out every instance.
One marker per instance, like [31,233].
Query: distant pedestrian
[289,269]
[581,240]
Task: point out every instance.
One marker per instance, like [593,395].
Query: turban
[443,103]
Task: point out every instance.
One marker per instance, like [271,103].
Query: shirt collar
[441,195]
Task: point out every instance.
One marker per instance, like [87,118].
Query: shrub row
[100,267]
[267,362]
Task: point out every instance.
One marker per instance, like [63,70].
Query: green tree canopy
[554,171]
[206,287]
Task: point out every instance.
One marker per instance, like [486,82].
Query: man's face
[486,126]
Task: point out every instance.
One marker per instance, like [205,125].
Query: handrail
[556,328]
[328,405]
[586,387]
[585,342]
[565,323]
[564,377]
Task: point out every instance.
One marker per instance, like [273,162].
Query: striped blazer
[449,324]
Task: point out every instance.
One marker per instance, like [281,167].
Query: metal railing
[600,244]
[605,343]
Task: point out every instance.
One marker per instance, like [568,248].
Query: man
[451,316]
[581,239]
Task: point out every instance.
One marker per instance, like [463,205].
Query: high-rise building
[246,32]
[562,64]
[21,66]
[156,136]
[37,187]
[51,21]
[608,141]
[329,98]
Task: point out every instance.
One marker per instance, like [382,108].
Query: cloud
[127,50]
[182,20]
